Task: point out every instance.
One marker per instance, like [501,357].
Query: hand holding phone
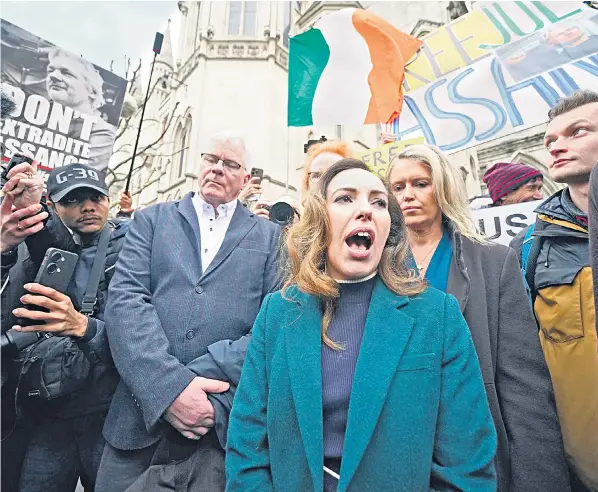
[15,160]
[253,189]
[21,180]
[57,269]
[55,272]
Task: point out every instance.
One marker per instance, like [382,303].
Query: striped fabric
[504,177]
[348,69]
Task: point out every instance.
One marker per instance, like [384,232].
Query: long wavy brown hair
[308,241]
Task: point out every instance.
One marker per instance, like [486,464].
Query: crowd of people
[376,342]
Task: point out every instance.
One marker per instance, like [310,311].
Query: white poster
[502,224]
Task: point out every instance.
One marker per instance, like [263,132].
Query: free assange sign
[496,71]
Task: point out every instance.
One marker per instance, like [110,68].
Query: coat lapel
[303,341]
[187,210]
[387,332]
[241,223]
[458,280]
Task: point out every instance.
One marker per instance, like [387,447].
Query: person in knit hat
[510,182]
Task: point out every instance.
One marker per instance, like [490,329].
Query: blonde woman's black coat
[487,282]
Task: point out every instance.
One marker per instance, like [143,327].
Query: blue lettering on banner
[421,119]
[584,65]
[500,118]
[563,81]
[448,115]
[542,87]
[501,109]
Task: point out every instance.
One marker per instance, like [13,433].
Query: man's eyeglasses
[315,176]
[213,160]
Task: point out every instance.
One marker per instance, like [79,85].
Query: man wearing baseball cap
[510,182]
[66,429]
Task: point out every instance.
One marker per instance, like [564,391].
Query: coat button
[199,289]
[190,334]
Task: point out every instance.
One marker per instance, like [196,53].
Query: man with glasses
[66,427]
[191,277]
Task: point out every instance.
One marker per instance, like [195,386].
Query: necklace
[420,265]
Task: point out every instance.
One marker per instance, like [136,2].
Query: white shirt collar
[203,207]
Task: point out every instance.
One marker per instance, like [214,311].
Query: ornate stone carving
[183,8]
[223,50]
[238,50]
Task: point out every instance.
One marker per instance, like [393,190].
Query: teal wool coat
[418,414]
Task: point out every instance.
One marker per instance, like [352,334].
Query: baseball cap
[64,179]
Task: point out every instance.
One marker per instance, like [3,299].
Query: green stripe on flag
[308,56]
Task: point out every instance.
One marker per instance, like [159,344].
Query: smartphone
[57,269]
[257,173]
[14,160]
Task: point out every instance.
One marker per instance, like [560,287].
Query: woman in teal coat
[358,378]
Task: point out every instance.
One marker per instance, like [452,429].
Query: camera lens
[281,214]
[56,257]
[52,268]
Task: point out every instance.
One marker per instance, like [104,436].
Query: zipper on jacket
[547,253]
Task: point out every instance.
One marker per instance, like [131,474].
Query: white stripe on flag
[343,94]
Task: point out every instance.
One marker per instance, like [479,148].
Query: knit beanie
[504,177]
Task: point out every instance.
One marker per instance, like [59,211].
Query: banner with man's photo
[498,70]
[66,108]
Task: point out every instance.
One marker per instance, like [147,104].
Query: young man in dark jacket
[558,271]
[66,432]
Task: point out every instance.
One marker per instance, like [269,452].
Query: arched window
[182,139]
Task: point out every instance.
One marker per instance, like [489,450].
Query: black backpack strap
[530,272]
[91,292]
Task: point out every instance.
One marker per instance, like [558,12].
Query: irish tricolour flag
[348,70]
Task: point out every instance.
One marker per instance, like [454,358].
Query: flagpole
[286,188]
[157,48]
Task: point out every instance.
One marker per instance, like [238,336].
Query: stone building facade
[225,68]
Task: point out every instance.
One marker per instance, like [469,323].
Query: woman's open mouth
[360,242]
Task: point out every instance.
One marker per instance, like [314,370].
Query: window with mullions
[242,18]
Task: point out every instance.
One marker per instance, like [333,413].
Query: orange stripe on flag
[389,49]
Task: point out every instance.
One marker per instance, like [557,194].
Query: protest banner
[502,224]
[67,109]
[498,70]
[379,158]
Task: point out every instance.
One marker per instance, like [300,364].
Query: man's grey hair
[235,139]
[93,80]
[574,101]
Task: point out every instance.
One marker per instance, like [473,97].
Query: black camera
[282,214]
[309,143]
[12,342]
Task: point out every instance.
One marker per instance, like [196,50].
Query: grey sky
[99,31]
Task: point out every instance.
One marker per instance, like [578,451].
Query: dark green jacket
[418,416]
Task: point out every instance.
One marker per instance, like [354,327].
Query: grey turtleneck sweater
[338,366]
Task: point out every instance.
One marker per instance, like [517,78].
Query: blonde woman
[356,377]
[452,256]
